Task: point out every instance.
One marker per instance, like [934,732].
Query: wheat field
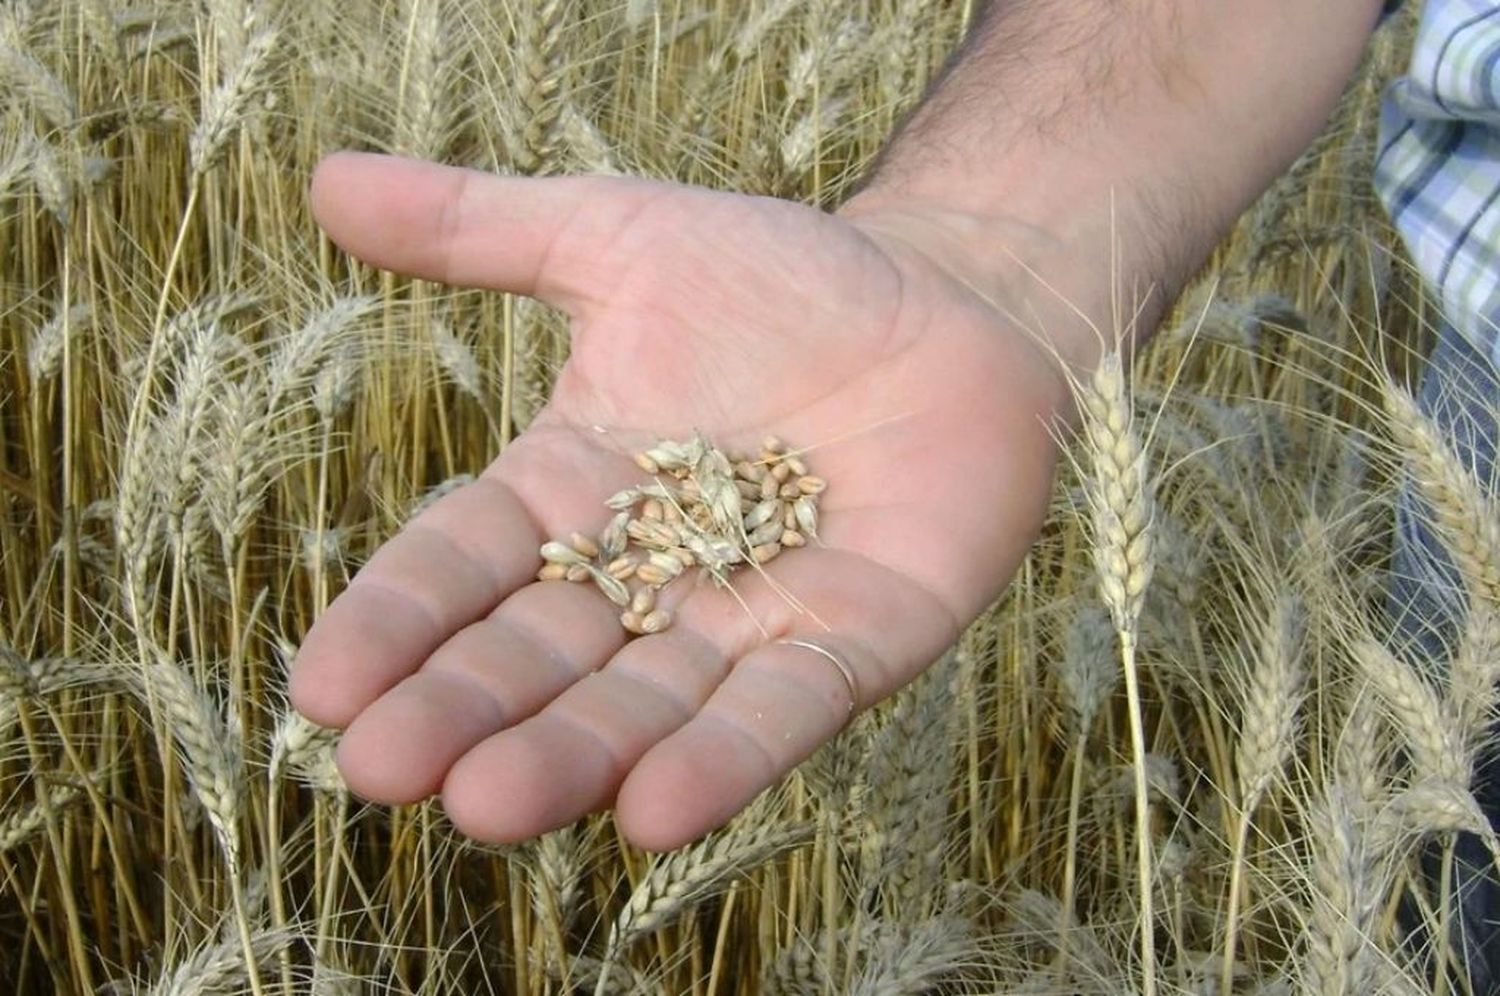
[210,417]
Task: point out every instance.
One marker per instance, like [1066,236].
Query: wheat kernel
[780,473]
[583,544]
[652,574]
[653,510]
[554,552]
[643,601]
[762,513]
[577,572]
[764,552]
[789,491]
[773,445]
[667,561]
[614,589]
[750,472]
[614,539]
[552,572]
[766,532]
[656,620]
[749,490]
[632,622]
[647,464]
[621,567]
[623,499]
[792,538]
[807,516]
[768,487]
[811,485]
[684,556]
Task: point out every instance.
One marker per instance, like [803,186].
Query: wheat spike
[50,177]
[684,878]
[1468,519]
[1345,899]
[1359,760]
[19,827]
[1087,671]
[1437,752]
[320,337]
[905,799]
[589,146]
[1474,673]
[1119,495]
[217,968]
[1433,807]
[44,352]
[539,86]
[902,959]
[457,360]
[33,82]
[230,103]
[298,744]
[1268,723]
[421,121]
[209,749]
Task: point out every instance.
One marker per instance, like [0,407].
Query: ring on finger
[844,669]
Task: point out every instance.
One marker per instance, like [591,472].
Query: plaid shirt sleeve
[1438,165]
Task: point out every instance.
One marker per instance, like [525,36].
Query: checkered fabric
[1438,167]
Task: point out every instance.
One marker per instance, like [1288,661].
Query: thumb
[541,237]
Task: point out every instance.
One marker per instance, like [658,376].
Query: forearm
[1090,141]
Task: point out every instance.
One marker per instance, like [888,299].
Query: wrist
[1042,270]
[1085,164]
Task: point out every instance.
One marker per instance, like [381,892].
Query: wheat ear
[679,880]
[1121,505]
[1268,732]
[1468,519]
[539,85]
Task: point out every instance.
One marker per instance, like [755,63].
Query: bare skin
[461,675]
[912,339]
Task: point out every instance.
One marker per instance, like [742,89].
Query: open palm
[524,703]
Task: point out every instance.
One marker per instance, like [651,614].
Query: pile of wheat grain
[1183,713]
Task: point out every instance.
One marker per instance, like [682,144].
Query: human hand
[524,703]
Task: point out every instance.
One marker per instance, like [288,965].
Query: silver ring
[844,669]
